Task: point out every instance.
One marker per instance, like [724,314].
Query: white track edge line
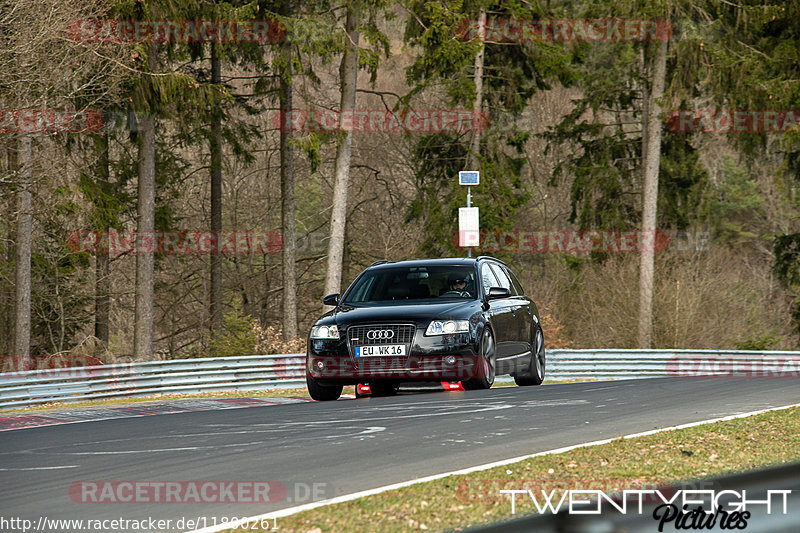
[370,492]
[33,413]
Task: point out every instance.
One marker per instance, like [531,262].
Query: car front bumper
[435,358]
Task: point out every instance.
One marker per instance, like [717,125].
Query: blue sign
[469,177]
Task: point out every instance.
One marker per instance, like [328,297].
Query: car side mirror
[495,293]
[331,299]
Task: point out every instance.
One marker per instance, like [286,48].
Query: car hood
[345,314]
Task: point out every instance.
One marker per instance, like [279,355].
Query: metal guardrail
[755,488]
[256,372]
[636,364]
[184,376]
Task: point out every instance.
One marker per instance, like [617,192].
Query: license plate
[386,349]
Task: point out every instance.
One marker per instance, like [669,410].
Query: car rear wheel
[535,374]
[488,357]
[322,393]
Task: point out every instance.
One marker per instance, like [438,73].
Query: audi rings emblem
[375,334]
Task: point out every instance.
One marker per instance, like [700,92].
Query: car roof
[440,261]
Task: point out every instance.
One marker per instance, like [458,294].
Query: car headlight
[325,332]
[444,327]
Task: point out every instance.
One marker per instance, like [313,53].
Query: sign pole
[468,217]
[469,204]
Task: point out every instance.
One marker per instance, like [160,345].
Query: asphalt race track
[321,450]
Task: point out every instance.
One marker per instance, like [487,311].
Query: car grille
[376,334]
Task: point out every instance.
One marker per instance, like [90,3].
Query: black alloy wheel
[489,360]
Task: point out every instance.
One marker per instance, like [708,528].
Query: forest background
[688,133]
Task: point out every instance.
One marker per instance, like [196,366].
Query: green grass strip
[459,502]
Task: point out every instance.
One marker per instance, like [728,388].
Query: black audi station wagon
[460,319]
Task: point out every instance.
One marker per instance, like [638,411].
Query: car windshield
[401,284]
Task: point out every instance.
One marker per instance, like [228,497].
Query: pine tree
[493,79]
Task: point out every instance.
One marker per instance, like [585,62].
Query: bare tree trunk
[645,111]
[475,150]
[348,74]
[216,199]
[145,225]
[102,281]
[7,304]
[650,204]
[287,201]
[22,285]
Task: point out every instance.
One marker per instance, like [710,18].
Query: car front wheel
[535,374]
[322,393]
[485,379]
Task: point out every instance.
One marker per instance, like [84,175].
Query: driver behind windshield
[458,286]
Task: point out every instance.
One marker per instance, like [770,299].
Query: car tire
[383,388]
[535,374]
[489,358]
[322,393]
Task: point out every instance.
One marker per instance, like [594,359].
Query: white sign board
[469,177]
[468,227]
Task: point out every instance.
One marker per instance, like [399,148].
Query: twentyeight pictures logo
[678,509]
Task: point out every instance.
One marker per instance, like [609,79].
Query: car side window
[502,277]
[363,290]
[488,279]
[514,281]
